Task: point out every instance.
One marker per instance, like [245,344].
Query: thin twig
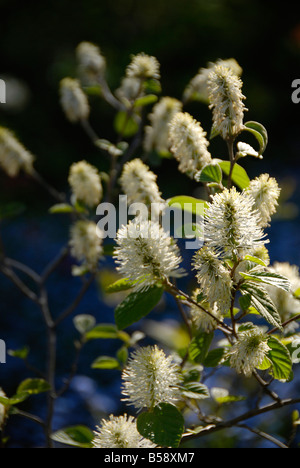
[263,435]
[248,415]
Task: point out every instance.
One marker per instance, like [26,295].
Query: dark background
[37,42]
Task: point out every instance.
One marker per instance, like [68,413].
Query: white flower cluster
[73,100]
[85,243]
[200,318]
[146,254]
[265,192]
[139,183]
[214,279]
[226,100]
[189,144]
[249,352]
[13,156]
[232,225]
[91,61]
[130,89]
[119,432]
[143,67]
[85,183]
[157,134]
[150,378]
[198,86]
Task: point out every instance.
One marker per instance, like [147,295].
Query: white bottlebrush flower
[214,279]
[119,432]
[226,100]
[265,191]
[146,254]
[249,352]
[188,144]
[85,243]
[130,90]
[2,410]
[73,100]
[150,378]
[157,134]
[285,302]
[232,225]
[139,183]
[13,156]
[91,61]
[197,88]
[85,183]
[201,319]
[143,66]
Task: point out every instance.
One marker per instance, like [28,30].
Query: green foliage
[163,425]
[239,176]
[75,436]
[260,133]
[137,305]
[280,358]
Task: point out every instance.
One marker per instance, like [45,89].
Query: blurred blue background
[37,51]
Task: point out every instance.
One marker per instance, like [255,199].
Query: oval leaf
[137,305]
[164,425]
[280,358]
[239,176]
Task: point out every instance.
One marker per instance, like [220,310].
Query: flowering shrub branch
[243,314]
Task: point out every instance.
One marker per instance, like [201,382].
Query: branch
[19,283]
[263,435]
[248,415]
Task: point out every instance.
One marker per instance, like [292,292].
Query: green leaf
[297,293]
[199,347]
[15,400]
[84,323]
[146,100]
[268,278]
[214,357]
[105,362]
[19,353]
[76,436]
[121,285]
[152,86]
[280,358]
[33,386]
[137,305]
[239,175]
[245,302]
[164,425]
[229,399]
[125,125]
[61,208]
[196,391]
[266,364]
[260,133]
[256,260]
[262,302]
[122,354]
[11,210]
[102,331]
[190,204]
[210,173]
